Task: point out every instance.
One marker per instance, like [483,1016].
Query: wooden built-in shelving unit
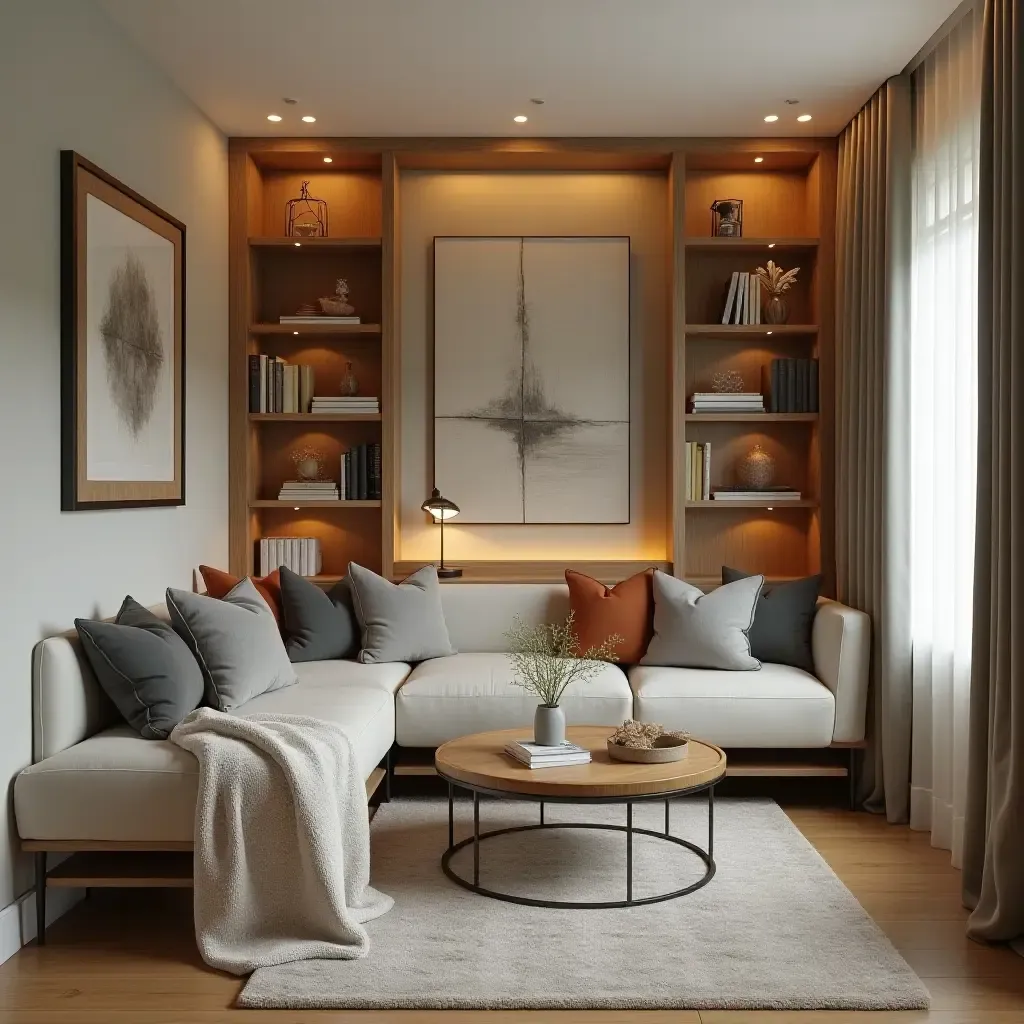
[788,216]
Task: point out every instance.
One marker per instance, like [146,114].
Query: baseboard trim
[18,921]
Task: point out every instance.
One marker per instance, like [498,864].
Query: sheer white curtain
[946,113]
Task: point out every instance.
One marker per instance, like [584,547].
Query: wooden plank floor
[129,957]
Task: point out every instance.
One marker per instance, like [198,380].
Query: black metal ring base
[570,904]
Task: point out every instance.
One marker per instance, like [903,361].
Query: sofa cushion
[448,697]
[235,640]
[317,625]
[626,610]
[116,786]
[218,583]
[780,706]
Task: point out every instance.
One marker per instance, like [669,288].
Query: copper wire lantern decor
[307,216]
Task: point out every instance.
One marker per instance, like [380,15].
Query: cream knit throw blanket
[282,841]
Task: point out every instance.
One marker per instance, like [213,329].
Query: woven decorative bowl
[666,748]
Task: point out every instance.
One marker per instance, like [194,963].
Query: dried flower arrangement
[776,281]
[546,659]
[644,735]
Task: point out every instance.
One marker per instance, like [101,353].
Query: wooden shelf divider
[750,331]
[749,244]
[755,503]
[340,504]
[752,417]
[272,242]
[314,328]
[315,417]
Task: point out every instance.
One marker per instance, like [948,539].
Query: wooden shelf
[749,244]
[314,329]
[752,417]
[314,243]
[315,417]
[729,332]
[755,503]
[274,503]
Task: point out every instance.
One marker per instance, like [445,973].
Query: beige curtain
[994,833]
[872,422]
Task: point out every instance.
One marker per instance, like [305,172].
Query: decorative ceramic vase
[756,469]
[349,384]
[548,725]
[776,310]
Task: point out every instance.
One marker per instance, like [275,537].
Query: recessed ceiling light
[804,117]
[771,508]
[297,244]
[328,160]
[758,159]
[772,117]
[273,117]
[767,332]
[520,119]
[295,332]
[771,245]
[308,118]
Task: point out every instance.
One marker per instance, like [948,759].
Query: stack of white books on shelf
[300,319]
[308,490]
[353,405]
[533,755]
[300,554]
[747,494]
[727,401]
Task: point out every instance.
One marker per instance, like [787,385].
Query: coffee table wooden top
[479,761]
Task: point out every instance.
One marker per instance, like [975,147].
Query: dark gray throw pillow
[785,612]
[318,626]
[144,667]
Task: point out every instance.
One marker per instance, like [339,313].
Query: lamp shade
[440,507]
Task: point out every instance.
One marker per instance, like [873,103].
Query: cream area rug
[774,929]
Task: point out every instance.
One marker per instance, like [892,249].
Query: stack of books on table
[299,319]
[308,490]
[300,554]
[535,756]
[747,494]
[726,401]
[356,404]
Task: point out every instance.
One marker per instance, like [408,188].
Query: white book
[342,481]
[689,469]
[706,488]
[315,318]
[317,559]
[263,384]
[731,297]
[757,299]
[741,295]
[296,547]
[750,299]
[526,748]
[263,556]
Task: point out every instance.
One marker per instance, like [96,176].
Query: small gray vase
[548,725]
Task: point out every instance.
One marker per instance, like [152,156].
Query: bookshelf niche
[788,217]
[274,275]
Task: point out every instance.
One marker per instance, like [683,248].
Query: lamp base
[446,572]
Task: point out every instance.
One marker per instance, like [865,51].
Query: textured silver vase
[756,469]
[548,725]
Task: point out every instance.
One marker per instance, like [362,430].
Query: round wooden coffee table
[479,764]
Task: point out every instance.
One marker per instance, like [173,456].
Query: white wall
[70,80]
[444,203]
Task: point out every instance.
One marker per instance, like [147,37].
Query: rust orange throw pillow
[626,609]
[218,583]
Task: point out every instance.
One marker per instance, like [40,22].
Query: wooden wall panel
[391,346]
[353,200]
[677,369]
[774,202]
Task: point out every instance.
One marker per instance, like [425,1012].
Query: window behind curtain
[946,105]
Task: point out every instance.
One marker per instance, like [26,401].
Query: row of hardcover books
[743,300]
[275,385]
[300,554]
[793,385]
[698,470]
[361,473]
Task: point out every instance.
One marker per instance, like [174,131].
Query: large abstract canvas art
[123,269]
[531,378]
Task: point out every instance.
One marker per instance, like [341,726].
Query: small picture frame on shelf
[727,218]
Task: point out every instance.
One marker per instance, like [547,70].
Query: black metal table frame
[707,856]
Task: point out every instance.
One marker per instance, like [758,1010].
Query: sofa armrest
[841,644]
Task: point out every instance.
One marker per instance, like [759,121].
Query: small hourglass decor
[306,216]
[349,384]
[727,218]
[756,469]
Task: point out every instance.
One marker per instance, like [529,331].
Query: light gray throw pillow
[236,641]
[697,630]
[144,667]
[400,622]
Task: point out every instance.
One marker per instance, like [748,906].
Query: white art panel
[130,420]
[531,392]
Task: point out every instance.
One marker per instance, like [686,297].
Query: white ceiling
[465,67]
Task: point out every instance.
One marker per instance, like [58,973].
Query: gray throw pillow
[400,622]
[235,640]
[697,630]
[318,626]
[144,667]
[785,612]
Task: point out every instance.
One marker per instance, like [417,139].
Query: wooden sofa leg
[389,771]
[41,899]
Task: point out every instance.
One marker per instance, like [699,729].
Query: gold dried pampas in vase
[775,282]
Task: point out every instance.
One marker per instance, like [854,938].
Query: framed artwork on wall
[122,345]
[531,378]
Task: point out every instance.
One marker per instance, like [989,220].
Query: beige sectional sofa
[97,785]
